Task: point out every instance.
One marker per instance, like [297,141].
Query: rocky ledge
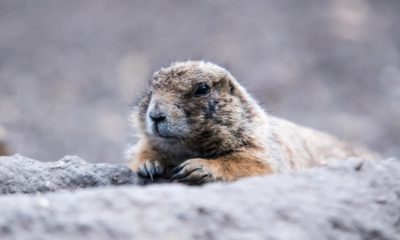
[20,174]
[349,199]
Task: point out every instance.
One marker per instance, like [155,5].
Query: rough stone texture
[19,174]
[345,200]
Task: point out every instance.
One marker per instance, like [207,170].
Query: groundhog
[197,124]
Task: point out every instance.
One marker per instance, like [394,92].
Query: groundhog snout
[159,122]
[157,116]
[165,120]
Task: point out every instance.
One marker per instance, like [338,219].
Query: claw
[182,175]
[176,176]
[176,169]
[150,172]
[179,167]
[159,170]
[142,171]
[150,169]
[188,179]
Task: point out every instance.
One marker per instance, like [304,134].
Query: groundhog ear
[227,83]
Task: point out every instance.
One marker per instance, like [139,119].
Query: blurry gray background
[69,69]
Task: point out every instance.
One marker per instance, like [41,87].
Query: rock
[344,200]
[19,174]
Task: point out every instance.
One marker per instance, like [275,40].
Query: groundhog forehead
[181,76]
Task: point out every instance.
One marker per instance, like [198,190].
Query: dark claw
[190,180]
[142,171]
[183,174]
[150,171]
[176,176]
[176,169]
[179,167]
[159,170]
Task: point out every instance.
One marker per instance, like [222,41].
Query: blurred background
[70,69]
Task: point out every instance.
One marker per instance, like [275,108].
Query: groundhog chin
[162,130]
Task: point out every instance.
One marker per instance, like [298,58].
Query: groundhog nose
[157,116]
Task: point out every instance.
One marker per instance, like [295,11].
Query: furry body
[197,124]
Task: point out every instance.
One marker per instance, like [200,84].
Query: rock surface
[344,200]
[19,174]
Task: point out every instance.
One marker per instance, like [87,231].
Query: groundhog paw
[193,172]
[150,169]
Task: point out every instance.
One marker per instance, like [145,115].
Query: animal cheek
[174,115]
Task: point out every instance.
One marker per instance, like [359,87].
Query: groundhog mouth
[162,130]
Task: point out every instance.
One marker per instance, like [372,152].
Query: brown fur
[222,135]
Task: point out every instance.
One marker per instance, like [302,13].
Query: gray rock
[19,174]
[344,200]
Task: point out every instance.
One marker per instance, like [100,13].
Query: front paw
[193,172]
[150,169]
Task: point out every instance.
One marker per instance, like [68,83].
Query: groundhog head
[194,105]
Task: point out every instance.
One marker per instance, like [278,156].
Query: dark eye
[202,89]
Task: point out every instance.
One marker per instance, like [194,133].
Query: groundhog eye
[202,89]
